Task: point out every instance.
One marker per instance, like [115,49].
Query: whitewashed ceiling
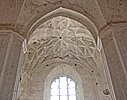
[60,38]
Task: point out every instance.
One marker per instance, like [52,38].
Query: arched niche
[91,91]
[66,13]
[67,71]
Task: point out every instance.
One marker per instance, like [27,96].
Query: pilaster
[114,43]
[10,58]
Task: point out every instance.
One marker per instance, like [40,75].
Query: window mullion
[59,88]
[67,90]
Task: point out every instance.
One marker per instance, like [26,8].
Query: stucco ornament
[60,38]
[63,37]
[56,42]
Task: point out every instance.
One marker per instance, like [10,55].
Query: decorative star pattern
[60,38]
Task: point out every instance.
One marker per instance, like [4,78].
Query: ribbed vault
[59,41]
[62,37]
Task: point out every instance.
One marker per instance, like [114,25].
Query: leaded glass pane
[63,97]
[55,92]
[71,84]
[54,97]
[63,82]
[55,84]
[63,92]
[72,91]
[73,97]
[63,88]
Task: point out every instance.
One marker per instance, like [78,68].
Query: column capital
[115,27]
[13,28]
[12,33]
[114,43]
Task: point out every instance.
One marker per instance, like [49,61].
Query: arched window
[63,88]
[72,84]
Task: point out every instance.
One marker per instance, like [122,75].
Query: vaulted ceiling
[19,15]
[60,38]
[61,41]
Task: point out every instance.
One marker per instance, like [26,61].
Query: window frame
[67,77]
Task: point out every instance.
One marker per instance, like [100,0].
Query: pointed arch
[66,13]
[67,71]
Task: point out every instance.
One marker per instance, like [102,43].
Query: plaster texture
[94,46]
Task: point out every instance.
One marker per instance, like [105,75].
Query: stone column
[10,55]
[114,41]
